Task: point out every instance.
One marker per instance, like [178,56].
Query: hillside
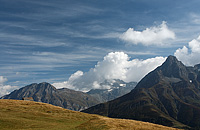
[47,93]
[30,115]
[169,95]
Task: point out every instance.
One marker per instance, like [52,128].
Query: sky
[80,43]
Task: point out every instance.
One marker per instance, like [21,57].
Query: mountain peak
[171,60]
[45,84]
[171,68]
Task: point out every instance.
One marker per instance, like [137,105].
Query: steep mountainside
[45,92]
[116,89]
[169,95]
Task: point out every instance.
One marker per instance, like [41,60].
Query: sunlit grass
[29,115]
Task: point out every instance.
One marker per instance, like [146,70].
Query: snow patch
[122,85]
[109,90]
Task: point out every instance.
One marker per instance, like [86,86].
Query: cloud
[68,84]
[5,89]
[149,36]
[2,80]
[139,68]
[189,55]
[195,18]
[115,65]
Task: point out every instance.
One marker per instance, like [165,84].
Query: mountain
[169,95]
[28,115]
[116,89]
[45,92]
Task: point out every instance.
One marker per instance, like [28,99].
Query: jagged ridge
[116,89]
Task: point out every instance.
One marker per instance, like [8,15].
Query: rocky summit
[45,92]
[116,88]
[169,95]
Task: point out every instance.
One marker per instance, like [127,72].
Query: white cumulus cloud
[68,84]
[139,68]
[5,89]
[115,65]
[150,36]
[189,55]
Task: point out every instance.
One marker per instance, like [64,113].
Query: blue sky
[48,40]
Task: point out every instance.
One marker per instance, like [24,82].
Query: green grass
[29,115]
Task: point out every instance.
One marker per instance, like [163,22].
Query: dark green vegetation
[45,92]
[30,115]
[169,95]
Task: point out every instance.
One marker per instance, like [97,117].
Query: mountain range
[45,92]
[169,95]
[116,88]
[71,99]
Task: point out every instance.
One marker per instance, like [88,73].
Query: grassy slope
[28,115]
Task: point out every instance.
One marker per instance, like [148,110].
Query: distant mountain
[116,89]
[45,92]
[169,95]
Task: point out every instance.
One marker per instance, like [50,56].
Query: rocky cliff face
[45,92]
[169,95]
[116,89]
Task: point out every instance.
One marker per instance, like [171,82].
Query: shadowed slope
[169,95]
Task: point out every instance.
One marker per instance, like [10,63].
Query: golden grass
[29,115]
